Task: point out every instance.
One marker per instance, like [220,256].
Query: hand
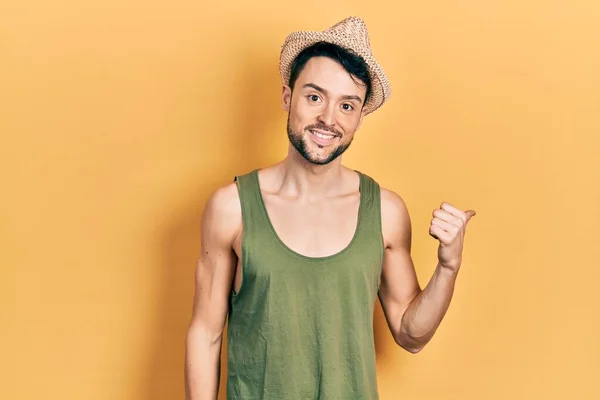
[448,226]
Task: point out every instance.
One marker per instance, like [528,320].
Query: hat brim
[298,41]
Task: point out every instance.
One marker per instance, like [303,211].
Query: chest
[317,228]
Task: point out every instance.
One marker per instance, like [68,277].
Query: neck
[302,178]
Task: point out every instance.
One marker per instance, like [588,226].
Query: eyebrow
[324,91]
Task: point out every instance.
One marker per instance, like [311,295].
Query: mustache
[325,128]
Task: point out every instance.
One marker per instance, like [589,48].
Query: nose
[327,116]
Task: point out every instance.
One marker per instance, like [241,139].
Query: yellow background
[119,118]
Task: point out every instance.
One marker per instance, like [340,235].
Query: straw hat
[351,34]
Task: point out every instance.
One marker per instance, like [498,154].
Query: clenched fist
[448,226]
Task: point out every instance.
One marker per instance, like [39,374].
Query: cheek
[348,138]
[301,117]
[297,121]
[353,120]
[349,126]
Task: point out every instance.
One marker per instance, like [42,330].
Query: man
[297,253]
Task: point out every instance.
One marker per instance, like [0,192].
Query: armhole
[374,191]
[239,187]
[379,225]
[373,217]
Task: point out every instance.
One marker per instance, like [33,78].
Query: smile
[322,138]
[323,135]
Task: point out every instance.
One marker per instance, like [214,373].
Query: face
[324,110]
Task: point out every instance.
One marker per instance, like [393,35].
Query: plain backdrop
[118,119]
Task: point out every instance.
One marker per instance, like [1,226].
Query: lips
[322,137]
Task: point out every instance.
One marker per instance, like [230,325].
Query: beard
[301,145]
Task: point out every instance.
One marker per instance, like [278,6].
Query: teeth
[322,136]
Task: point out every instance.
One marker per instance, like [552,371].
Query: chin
[319,162]
[323,159]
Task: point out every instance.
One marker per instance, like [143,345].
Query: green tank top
[302,327]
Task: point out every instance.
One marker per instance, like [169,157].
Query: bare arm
[413,314]
[221,221]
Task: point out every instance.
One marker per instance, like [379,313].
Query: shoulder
[223,212]
[392,204]
[395,219]
[393,207]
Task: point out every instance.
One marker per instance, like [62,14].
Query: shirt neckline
[302,256]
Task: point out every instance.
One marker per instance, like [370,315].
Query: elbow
[199,334]
[411,345]
[413,350]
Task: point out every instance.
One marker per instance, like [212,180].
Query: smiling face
[324,110]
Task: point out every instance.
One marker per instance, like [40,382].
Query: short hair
[353,63]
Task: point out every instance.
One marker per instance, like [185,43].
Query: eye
[347,107]
[313,97]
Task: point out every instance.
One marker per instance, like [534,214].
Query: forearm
[425,313]
[202,365]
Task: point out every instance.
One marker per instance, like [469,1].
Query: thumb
[470,214]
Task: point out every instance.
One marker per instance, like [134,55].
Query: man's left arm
[414,314]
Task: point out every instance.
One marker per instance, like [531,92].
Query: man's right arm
[221,222]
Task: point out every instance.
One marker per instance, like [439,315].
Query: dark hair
[354,64]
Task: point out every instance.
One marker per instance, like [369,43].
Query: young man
[297,253]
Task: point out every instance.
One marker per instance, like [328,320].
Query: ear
[286,98]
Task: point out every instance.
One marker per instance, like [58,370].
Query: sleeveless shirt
[302,327]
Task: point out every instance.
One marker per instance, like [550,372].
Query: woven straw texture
[351,34]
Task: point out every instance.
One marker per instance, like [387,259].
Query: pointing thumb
[470,214]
